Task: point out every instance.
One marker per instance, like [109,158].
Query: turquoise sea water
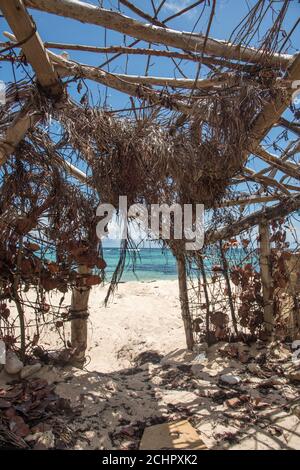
[156,264]
[150,264]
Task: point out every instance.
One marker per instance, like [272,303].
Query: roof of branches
[222,129]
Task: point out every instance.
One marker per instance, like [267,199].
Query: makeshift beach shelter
[195,137]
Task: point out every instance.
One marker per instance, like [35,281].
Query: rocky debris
[295,344]
[233,402]
[295,409]
[30,370]
[45,441]
[13,364]
[230,379]
[225,399]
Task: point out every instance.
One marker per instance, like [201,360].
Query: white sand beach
[140,316]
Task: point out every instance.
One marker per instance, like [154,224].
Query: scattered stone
[30,370]
[295,344]
[296,410]
[230,379]
[200,358]
[45,441]
[13,364]
[233,402]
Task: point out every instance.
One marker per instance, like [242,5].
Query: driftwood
[191,56]
[79,317]
[266,276]
[286,167]
[25,31]
[87,13]
[184,301]
[25,119]
[277,211]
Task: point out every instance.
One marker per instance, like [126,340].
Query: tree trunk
[79,315]
[266,277]
[184,301]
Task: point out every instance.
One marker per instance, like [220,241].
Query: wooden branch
[67,68]
[79,321]
[179,83]
[24,120]
[184,300]
[288,205]
[152,52]
[286,167]
[73,170]
[266,276]
[241,201]
[141,13]
[291,126]
[92,14]
[228,286]
[25,31]
[265,180]
[271,113]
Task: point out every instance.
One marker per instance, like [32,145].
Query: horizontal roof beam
[88,13]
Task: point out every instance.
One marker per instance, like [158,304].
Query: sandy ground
[121,390]
[140,316]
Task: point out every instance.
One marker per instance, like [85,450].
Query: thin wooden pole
[275,212]
[24,29]
[79,315]
[207,316]
[228,285]
[184,301]
[266,276]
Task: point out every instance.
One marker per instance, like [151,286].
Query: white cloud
[176,5]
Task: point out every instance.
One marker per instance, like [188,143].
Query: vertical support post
[266,276]
[79,314]
[228,285]
[207,316]
[184,301]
